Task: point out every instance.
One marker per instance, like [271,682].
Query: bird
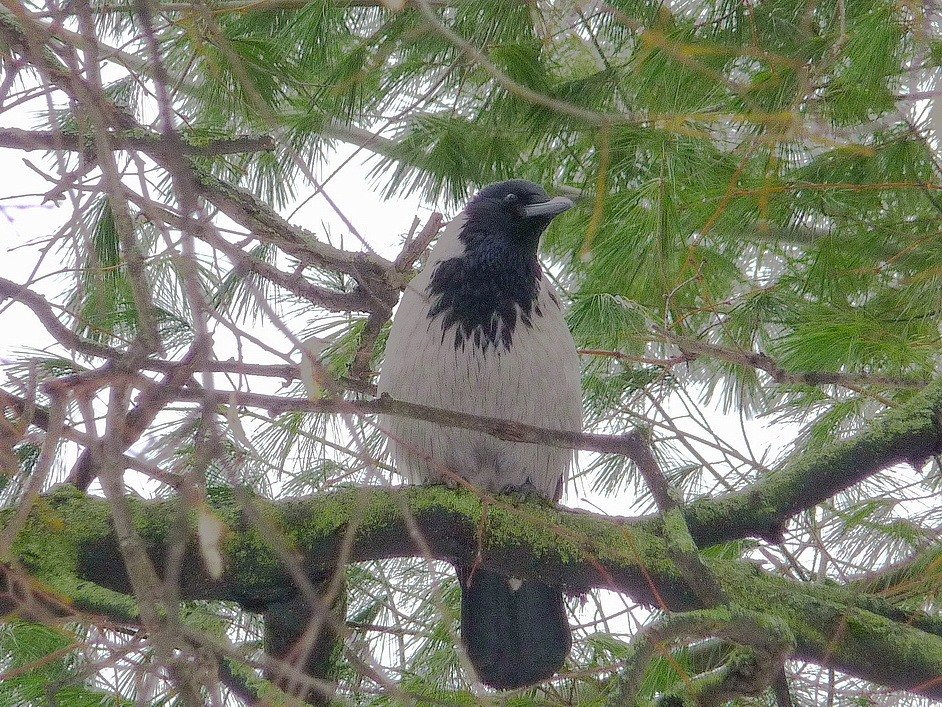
[481,330]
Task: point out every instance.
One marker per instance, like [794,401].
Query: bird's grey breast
[483,333]
[519,368]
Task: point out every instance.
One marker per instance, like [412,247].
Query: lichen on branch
[68,540]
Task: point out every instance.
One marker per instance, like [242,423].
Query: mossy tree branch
[911,433]
[70,546]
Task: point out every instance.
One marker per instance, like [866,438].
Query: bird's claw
[525,493]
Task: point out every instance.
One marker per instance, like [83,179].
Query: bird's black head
[515,212]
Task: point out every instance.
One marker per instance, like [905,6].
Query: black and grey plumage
[480,330]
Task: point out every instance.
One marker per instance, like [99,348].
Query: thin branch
[910,433]
[693,349]
[74,343]
[44,312]
[151,401]
[38,476]
[360,368]
[629,444]
[415,247]
[480,59]
[294,282]
[39,416]
[28,140]
[371,272]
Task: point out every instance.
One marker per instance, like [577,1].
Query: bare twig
[693,349]
[28,140]
[415,247]
[44,312]
[151,401]
[37,479]
[39,416]
[560,546]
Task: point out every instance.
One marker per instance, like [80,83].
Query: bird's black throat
[486,292]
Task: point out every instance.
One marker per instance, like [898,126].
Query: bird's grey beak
[553,207]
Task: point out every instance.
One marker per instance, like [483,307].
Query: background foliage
[754,268]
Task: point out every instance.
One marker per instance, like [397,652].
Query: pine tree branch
[151,143]
[749,670]
[75,344]
[570,548]
[914,575]
[911,434]
[334,130]
[376,276]
[692,349]
[243,262]
[537,98]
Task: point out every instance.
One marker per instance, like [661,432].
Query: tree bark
[69,545]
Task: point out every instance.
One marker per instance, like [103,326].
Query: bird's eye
[511,201]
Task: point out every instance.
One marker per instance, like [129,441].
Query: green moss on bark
[69,546]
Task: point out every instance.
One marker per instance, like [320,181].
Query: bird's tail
[515,632]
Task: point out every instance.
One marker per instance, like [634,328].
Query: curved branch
[71,536]
[44,312]
[911,433]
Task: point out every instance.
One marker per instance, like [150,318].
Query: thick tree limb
[747,671]
[911,433]
[72,536]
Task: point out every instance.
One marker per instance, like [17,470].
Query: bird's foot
[525,493]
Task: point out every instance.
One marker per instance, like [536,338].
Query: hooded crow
[480,330]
